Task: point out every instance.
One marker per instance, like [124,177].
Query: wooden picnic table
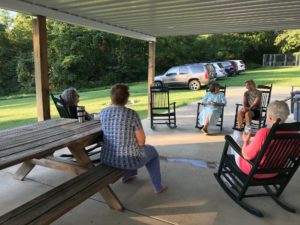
[35,144]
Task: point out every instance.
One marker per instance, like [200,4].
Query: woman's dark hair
[213,86]
[119,94]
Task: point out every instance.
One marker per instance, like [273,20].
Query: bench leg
[107,193]
[111,199]
[24,169]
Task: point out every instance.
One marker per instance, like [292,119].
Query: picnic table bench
[34,145]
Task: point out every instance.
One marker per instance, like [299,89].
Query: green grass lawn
[278,76]
[20,110]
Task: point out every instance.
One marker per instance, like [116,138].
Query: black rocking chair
[161,110]
[220,121]
[260,121]
[280,154]
[60,106]
[64,113]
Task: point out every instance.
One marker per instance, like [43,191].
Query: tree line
[86,58]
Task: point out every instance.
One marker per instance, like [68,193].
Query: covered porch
[194,196]
[188,160]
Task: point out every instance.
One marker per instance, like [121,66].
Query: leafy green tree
[8,79]
[21,65]
[288,41]
[25,68]
[181,50]
[128,60]
[20,34]
[225,46]
[86,58]
[5,19]
[171,51]
[259,43]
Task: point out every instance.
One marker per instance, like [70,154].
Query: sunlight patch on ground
[172,138]
[180,204]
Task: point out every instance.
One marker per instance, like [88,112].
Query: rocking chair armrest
[238,105]
[236,148]
[174,104]
[233,145]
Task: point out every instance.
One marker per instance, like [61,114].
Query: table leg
[107,193]
[24,169]
[80,155]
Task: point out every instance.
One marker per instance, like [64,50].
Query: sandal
[205,131]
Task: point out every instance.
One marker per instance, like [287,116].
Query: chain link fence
[281,59]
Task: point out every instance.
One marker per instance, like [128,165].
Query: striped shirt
[120,148]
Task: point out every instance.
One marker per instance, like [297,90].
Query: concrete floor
[193,197]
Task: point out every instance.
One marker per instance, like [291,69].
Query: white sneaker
[247,130]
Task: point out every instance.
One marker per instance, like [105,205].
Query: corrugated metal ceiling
[144,19]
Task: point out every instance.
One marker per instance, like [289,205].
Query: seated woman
[71,97]
[276,110]
[124,140]
[212,101]
[251,104]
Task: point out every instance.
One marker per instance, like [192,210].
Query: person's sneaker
[247,130]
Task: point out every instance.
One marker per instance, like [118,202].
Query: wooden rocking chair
[260,121]
[162,111]
[220,121]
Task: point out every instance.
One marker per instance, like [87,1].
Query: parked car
[193,76]
[240,65]
[235,67]
[229,68]
[221,73]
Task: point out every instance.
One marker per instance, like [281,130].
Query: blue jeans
[151,161]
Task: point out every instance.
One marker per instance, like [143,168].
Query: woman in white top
[212,101]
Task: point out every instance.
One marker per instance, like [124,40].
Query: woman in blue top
[212,101]
[124,140]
